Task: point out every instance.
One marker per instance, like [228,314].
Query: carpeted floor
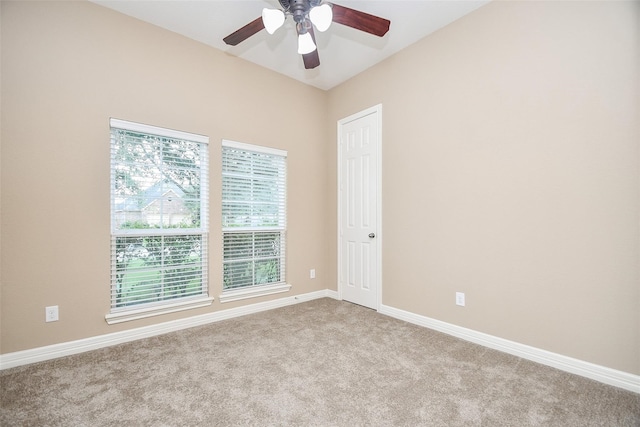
[319,363]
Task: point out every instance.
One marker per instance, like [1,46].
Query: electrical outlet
[312,273]
[51,313]
[460,298]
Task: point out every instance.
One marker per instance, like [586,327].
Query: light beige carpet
[319,363]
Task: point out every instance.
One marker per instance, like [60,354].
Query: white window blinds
[253,215]
[159,214]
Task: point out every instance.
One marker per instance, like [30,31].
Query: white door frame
[376,109]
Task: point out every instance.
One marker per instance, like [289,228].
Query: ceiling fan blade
[245,32]
[360,20]
[311,60]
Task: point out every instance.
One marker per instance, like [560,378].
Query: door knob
[372,235]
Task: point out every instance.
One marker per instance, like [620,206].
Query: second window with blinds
[254,220]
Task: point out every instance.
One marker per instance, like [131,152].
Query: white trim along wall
[595,372]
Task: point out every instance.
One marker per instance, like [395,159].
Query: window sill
[253,291]
[125,316]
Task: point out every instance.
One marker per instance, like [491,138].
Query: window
[159,215]
[253,220]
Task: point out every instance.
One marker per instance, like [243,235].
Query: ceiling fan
[307,14]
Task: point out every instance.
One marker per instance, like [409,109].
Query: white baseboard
[25,357]
[599,373]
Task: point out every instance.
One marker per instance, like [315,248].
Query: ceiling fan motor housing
[299,10]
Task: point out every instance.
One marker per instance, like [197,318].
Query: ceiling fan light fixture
[305,44]
[321,16]
[272,19]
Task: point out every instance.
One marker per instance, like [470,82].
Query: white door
[359,207]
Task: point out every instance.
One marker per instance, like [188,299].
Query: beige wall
[510,173]
[510,167]
[69,66]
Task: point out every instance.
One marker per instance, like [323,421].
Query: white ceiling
[344,52]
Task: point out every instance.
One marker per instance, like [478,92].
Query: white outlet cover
[460,298]
[51,313]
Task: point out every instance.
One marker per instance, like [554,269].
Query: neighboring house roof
[147,197]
